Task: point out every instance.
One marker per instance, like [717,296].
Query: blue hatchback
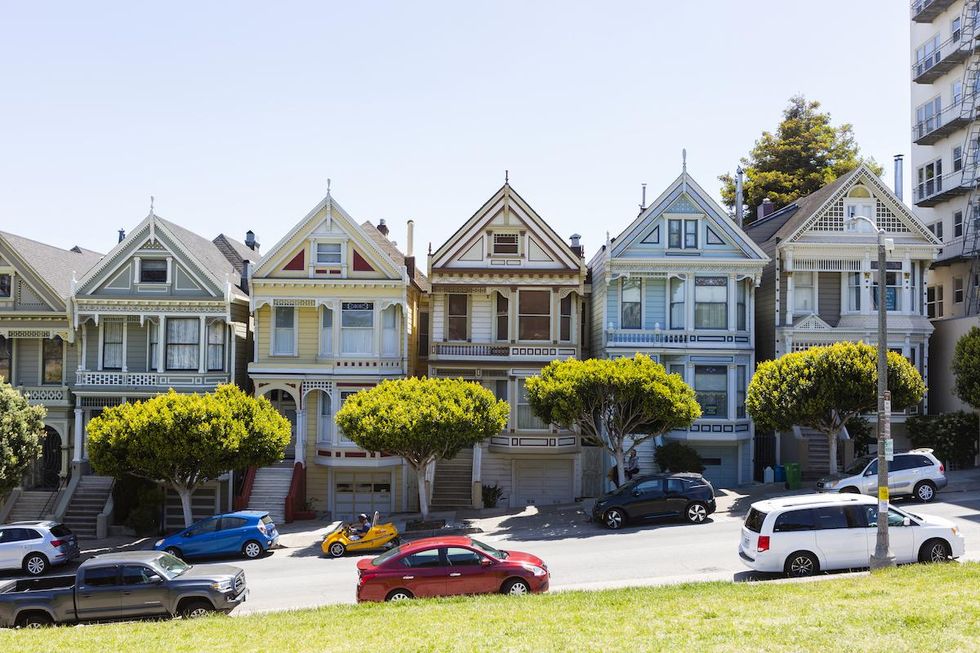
[248,532]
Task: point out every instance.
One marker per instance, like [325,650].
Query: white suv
[917,473]
[802,535]
[36,545]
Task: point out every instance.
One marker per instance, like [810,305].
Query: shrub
[952,436]
[491,495]
[862,433]
[676,456]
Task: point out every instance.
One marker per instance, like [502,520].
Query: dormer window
[5,286]
[328,253]
[153,270]
[682,234]
[505,244]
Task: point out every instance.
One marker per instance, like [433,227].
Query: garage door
[365,492]
[720,465]
[543,482]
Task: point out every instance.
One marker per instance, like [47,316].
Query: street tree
[183,441]
[21,428]
[824,388]
[612,401]
[422,420]
[966,368]
[805,153]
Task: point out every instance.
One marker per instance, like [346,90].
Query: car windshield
[386,556]
[172,566]
[486,548]
[857,466]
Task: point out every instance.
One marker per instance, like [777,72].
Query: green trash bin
[794,476]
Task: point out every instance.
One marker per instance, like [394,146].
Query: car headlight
[829,484]
[158,542]
[222,585]
[534,569]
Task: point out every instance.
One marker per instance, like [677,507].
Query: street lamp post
[882,557]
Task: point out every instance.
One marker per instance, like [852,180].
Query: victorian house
[821,287]
[38,353]
[336,310]
[507,298]
[164,309]
[678,284]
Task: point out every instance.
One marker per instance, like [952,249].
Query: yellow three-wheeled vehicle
[343,538]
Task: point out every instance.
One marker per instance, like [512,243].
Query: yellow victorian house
[335,308]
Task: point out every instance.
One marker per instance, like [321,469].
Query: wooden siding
[496,469]
[27,361]
[654,303]
[765,308]
[829,297]
[136,348]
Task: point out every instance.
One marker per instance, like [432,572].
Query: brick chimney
[382,227]
[575,241]
[765,209]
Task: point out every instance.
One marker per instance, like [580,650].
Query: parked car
[448,566]
[803,535]
[657,496]
[917,473]
[36,545]
[248,532]
[123,586]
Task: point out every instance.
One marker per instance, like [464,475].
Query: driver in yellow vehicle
[359,531]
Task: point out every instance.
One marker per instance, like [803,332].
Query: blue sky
[235,114]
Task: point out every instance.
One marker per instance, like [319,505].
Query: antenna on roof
[643,199]
[506,176]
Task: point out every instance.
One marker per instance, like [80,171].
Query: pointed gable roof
[505,199]
[52,266]
[420,280]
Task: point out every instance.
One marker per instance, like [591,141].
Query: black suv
[656,496]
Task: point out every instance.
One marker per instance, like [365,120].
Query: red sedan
[447,566]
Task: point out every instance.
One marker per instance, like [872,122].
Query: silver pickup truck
[123,586]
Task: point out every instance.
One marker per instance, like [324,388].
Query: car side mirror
[186,534]
[486,562]
[636,493]
[870,472]
[156,579]
[906,522]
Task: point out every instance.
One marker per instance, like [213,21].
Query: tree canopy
[612,400]
[823,388]
[422,420]
[21,428]
[185,440]
[805,153]
[966,367]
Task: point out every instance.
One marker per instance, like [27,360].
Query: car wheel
[196,609]
[35,564]
[251,549]
[337,549]
[34,620]
[614,519]
[696,513]
[801,564]
[924,491]
[516,587]
[935,551]
[850,489]
[172,550]
[399,595]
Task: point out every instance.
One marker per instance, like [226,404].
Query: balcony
[925,11]
[946,122]
[51,396]
[109,379]
[530,351]
[939,189]
[952,52]
[659,339]
[544,443]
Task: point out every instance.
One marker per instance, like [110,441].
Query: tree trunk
[832,441]
[620,460]
[423,492]
[185,504]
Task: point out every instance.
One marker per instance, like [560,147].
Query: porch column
[301,436]
[125,350]
[79,426]
[203,346]
[789,299]
[84,347]
[161,345]
[732,389]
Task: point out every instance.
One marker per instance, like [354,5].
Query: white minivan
[802,535]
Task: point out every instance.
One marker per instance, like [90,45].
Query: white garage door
[720,465]
[365,492]
[543,482]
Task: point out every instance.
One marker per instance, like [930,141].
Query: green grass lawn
[915,608]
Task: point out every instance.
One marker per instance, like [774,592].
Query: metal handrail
[62,484]
[925,127]
[963,41]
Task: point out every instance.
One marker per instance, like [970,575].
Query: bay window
[711,302]
[526,419]
[326,331]
[631,309]
[216,346]
[677,292]
[502,317]
[6,358]
[565,323]
[357,327]
[457,316]
[183,343]
[112,345]
[389,331]
[711,388]
[534,315]
[52,358]
[803,293]
[284,331]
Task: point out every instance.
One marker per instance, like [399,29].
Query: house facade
[821,287]
[507,298]
[336,310]
[678,284]
[38,348]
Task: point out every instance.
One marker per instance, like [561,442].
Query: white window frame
[351,307]
[389,333]
[855,285]
[121,344]
[622,301]
[727,390]
[928,116]
[958,290]
[957,225]
[683,303]
[497,315]
[957,158]
[326,332]
[293,351]
[518,403]
[812,286]
[166,275]
[213,328]
[550,315]
[505,234]
[340,253]
[341,440]
[9,297]
[450,317]
[570,316]
[325,424]
[40,368]
[922,182]
[724,304]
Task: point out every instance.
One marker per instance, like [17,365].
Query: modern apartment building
[945,77]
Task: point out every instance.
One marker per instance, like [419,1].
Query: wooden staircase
[817,463]
[86,503]
[452,482]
